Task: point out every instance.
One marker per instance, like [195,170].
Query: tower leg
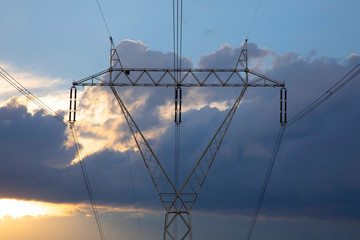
[183,226]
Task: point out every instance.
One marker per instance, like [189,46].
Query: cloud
[38,84]
[227,56]
[30,146]
[353,60]
[36,162]
[314,176]
[135,54]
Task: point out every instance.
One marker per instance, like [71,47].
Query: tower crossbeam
[165,77]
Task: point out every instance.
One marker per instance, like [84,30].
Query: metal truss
[165,77]
[178,202]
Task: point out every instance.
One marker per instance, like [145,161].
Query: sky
[314,190]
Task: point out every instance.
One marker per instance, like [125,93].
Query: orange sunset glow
[20,208]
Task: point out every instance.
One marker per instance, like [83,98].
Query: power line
[177,11]
[181,31]
[18,86]
[177,44]
[252,22]
[103,17]
[174,38]
[336,87]
[266,181]
[87,182]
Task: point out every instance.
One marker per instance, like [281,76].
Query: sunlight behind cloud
[19,208]
[15,208]
[101,124]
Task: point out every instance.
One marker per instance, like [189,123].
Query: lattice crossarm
[89,81]
[164,77]
[196,178]
[267,81]
[159,177]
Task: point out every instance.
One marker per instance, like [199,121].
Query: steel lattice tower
[178,202]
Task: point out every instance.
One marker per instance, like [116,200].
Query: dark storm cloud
[35,163]
[30,147]
[315,175]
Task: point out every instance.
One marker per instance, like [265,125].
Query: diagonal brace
[196,178]
[161,180]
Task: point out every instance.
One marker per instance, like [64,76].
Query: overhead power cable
[103,17]
[266,181]
[12,81]
[252,21]
[174,36]
[18,86]
[87,182]
[177,42]
[336,87]
[181,31]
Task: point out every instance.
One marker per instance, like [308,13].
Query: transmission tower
[178,201]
